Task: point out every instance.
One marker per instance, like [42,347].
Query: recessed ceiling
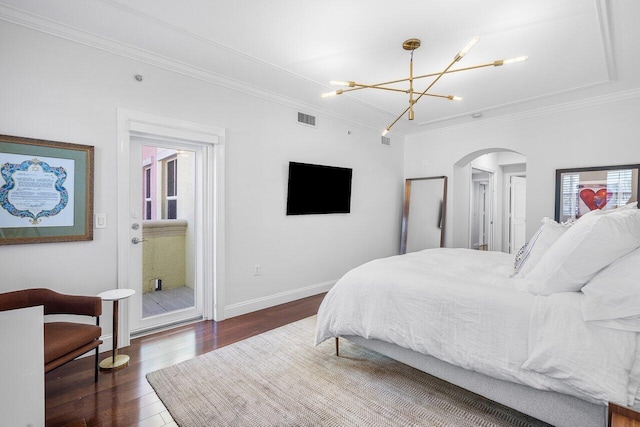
[292,49]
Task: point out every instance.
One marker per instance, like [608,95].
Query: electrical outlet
[257,270]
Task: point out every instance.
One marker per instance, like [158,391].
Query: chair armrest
[53,302]
[14,300]
[56,303]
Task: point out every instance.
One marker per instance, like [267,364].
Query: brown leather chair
[63,341]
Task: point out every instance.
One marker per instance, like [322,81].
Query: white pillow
[633,205]
[532,252]
[589,245]
[612,297]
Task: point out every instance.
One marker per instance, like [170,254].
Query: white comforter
[462,307]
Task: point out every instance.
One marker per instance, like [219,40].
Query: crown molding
[60,30]
[289,101]
[517,103]
[73,34]
[542,111]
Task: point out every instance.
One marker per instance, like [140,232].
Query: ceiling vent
[385,140]
[306,119]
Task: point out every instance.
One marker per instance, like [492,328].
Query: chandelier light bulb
[329,94]
[468,47]
[514,60]
[341,83]
[386,131]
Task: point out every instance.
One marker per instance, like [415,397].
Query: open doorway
[169,229]
[481,201]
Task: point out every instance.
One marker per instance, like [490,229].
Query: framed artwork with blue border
[46,191]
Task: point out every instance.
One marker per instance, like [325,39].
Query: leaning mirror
[424,213]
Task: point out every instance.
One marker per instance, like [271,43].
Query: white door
[483,215]
[481,212]
[204,146]
[517,213]
[165,221]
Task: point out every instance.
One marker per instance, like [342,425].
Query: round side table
[116,361]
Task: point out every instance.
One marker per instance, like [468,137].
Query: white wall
[59,90]
[599,132]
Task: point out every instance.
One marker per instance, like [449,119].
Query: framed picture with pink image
[581,190]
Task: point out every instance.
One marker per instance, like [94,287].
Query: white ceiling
[289,50]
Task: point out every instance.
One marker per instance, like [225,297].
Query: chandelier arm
[435,95]
[371,87]
[388,128]
[473,67]
[384,83]
[411,102]
[392,89]
[376,85]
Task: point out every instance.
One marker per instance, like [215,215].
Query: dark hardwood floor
[124,397]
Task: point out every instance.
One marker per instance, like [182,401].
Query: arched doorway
[489,200]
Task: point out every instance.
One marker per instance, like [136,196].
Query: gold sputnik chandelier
[414,96]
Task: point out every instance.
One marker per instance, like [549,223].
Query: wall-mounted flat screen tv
[318,189]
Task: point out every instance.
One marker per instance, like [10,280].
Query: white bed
[522,341]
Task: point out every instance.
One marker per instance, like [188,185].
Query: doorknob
[136,240]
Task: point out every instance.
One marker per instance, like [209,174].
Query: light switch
[100,221]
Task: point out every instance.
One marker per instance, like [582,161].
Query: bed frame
[558,409]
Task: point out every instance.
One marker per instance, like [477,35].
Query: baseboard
[247,307]
[241,308]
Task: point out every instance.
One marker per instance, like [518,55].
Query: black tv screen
[317,189]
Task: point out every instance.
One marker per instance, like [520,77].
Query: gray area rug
[280,378]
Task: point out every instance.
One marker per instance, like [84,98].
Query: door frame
[129,123]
